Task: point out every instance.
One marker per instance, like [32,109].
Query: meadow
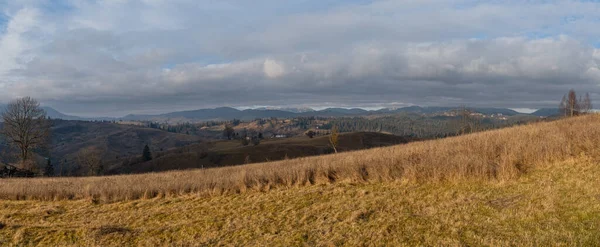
[554,205]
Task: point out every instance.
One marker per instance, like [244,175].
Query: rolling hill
[529,185]
[546,112]
[229,153]
[114,141]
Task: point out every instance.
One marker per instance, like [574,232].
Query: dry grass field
[533,185]
[557,204]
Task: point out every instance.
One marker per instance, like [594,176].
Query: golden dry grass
[553,205]
[498,155]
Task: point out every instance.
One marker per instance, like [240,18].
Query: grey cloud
[429,74]
[378,54]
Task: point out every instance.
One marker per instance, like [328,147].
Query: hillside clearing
[558,204]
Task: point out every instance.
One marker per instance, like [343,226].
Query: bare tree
[573,103]
[570,105]
[334,138]
[91,158]
[586,104]
[562,107]
[26,126]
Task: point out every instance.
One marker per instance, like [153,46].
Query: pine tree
[49,169]
[146,155]
[255,140]
[245,141]
[229,132]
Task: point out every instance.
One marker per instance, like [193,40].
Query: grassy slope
[555,204]
[116,141]
[228,153]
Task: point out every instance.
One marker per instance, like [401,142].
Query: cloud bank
[114,57]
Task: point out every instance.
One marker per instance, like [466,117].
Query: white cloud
[13,43]
[273,69]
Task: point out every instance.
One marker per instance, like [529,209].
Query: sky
[115,57]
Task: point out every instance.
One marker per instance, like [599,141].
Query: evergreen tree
[229,132]
[245,141]
[255,140]
[49,169]
[146,155]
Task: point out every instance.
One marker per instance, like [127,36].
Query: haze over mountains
[229,113]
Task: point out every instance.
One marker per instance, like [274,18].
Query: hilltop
[527,185]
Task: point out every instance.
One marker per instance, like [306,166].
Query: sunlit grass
[558,204]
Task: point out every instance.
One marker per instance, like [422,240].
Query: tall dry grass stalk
[493,155]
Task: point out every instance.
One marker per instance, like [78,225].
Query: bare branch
[25,126]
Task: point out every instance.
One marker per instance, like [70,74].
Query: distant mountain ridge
[53,113]
[228,113]
[288,109]
[221,113]
[437,109]
[546,112]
